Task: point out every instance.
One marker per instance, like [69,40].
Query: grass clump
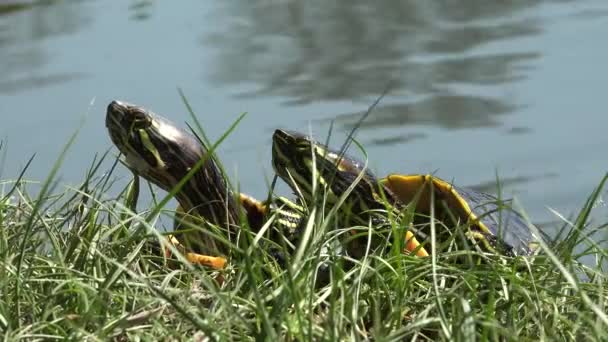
[80,263]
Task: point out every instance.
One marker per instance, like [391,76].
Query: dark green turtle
[490,224]
[162,153]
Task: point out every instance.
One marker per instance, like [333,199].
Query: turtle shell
[489,217]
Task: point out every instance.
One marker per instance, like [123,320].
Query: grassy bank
[81,263]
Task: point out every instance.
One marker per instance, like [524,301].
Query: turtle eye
[140,120]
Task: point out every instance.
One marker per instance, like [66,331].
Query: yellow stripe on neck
[145,139]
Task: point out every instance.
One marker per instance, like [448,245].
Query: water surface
[479,88]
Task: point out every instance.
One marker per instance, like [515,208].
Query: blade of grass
[46,186]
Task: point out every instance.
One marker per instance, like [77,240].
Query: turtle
[489,223]
[162,153]
[159,151]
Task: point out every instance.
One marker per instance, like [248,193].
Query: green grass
[79,263]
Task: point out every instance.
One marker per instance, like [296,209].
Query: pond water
[479,87]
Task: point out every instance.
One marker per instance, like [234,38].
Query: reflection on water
[141,9]
[28,82]
[518,130]
[492,188]
[399,139]
[443,110]
[24,58]
[8,7]
[308,51]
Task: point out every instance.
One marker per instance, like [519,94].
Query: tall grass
[80,263]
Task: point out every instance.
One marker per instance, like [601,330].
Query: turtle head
[297,157]
[164,154]
[153,147]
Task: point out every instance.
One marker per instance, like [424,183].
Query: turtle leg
[214,262]
[255,211]
[413,246]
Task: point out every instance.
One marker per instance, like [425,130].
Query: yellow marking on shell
[145,139]
[472,217]
[406,187]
